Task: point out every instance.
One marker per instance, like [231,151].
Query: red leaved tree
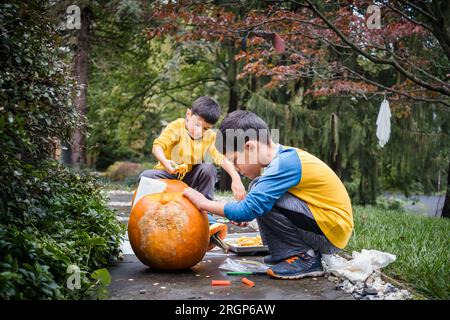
[344,47]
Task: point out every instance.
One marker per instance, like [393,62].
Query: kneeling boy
[183,149]
[302,208]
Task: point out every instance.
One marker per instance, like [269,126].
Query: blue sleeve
[284,172]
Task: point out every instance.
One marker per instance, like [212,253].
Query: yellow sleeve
[216,156]
[168,136]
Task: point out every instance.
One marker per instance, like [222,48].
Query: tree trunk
[335,155]
[446,209]
[145,6]
[233,98]
[336,165]
[66,155]
[78,154]
[225,179]
[368,168]
[233,105]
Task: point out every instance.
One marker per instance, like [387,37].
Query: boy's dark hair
[238,127]
[207,108]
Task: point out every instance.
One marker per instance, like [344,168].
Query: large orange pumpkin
[166,231]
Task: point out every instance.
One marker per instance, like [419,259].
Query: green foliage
[120,75]
[420,243]
[136,84]
[50,217]
[123,170]
[158,80]
[103,279]
[60,219]
[410,162]
[35,91]
[391,204]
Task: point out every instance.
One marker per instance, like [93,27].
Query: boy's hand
[196,197]
[170,166]
[239,224]
[181,170]
[236,184]
[238,189]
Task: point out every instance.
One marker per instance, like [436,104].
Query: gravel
[374,288]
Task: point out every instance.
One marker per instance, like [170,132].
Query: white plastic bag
[148,186]
[243,265]
[384,123]
[360,267]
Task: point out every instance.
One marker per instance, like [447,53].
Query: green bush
[390,203]
[65,222]
[123,169]
[124,174]
[50,217]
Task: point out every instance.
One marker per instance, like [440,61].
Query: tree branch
[403,14]
[422,11]
[376,60]
[361,77]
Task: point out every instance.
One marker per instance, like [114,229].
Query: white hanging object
[384,123]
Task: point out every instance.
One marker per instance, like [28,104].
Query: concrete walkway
[132,280]
[420,204]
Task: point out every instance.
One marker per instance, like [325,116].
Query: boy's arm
[283,173]
[202,203]
[158,152]
[236,184]
[205,204]
[165,140]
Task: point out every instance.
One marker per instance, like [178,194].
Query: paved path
[133,280]
[420,204]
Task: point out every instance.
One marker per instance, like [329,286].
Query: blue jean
[289,228]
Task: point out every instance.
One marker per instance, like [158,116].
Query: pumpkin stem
[166,198]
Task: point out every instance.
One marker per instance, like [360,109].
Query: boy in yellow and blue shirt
[186,150]
[302,208]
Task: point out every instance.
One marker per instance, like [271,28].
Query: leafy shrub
[390,204]
[65,222]
[125,171]
[353,189]
[50,217]
[35,84]
[121,170]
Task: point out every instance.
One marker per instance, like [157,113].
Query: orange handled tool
[217,233]
[220,282]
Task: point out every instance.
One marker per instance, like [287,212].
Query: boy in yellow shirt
[186,147]
[301,206]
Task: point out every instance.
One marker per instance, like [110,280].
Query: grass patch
[421,244]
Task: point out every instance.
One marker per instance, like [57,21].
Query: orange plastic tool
[220,282]
[251,284]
